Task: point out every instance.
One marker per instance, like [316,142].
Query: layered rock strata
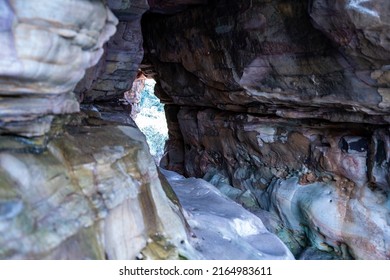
[268,58]
[87,189]
[44,55]
[92,193]
[326,183]
[119,65]
[287,100]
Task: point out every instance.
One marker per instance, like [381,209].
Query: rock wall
[117,69]
[285,99]
[92,193]
[268,58]
[44,55]
[327,182]
[81,185]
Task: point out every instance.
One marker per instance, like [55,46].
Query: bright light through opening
[149,115]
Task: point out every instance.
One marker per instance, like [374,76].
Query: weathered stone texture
[268,58]
[94,193]
[287,100]
[117,69]
[321,179]
[46,48]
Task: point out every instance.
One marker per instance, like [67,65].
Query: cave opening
[148,113]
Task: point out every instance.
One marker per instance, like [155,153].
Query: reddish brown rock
[301,165]
[267,58]
[285,93]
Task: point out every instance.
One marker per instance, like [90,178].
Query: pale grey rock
[222,229]
[46,48]
[53,43]
[94,193]
[333,221]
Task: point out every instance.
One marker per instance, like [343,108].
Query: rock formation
[92,193]
[236,233]
[287,100]
[80,186]
[44,55]
[118,67]
[283,105]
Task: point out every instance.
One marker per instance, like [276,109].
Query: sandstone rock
[288,100]
[284,92]
[174,146]
[333,222]
[46,49]
[223,229]
[379,176]
[359,27]
[267,58]
[133,96]
[118,67]
[94,193]
[255,152]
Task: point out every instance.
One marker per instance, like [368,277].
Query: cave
[278,129]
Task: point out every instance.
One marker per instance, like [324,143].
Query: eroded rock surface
[118,67]
[46,48]
[327,217]
[316,179]
[221,228]
[286,100]
[269,58]
[94,193]
[284,105]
